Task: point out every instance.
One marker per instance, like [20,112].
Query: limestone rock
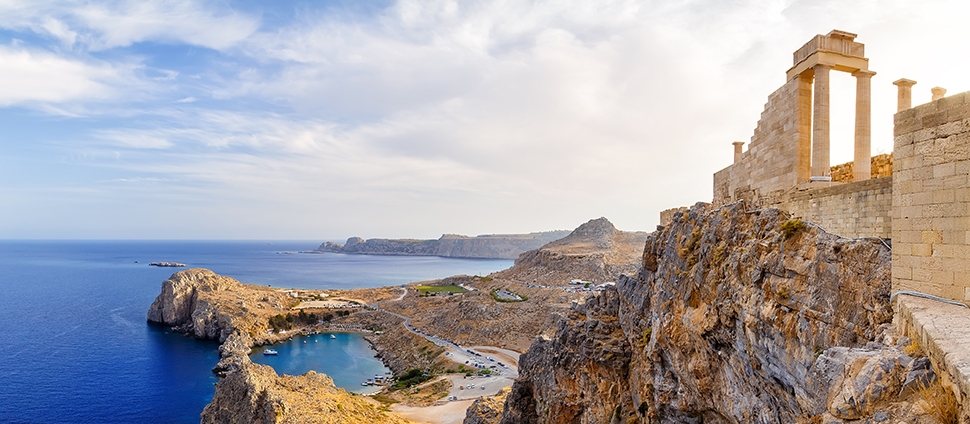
[178,298]
[253,393]
[723,324]
[487,409]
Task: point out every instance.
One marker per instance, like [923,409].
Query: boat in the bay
[270,352]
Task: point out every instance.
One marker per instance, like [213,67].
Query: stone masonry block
[924,134]
[944,170]
[922,275]
[904,115]
[907,126]
[952,102]
[931,237]
[958,113]
[922,249]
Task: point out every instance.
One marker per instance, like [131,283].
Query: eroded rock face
[253,393]
[183,302]
[486,409]
[729,320]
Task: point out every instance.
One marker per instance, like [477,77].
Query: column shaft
[821,156]
[862,167]
[804,164]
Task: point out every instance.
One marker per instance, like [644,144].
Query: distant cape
[489,246]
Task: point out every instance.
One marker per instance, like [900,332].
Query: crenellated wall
[931,198]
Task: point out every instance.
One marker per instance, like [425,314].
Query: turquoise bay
[77,347]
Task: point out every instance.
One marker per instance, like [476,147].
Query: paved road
[454,351]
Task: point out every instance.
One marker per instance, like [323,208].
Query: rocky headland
[735,316]
[489,246]
[206,305]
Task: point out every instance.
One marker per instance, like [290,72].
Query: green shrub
[791,227]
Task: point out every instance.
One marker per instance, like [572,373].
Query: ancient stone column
[904,97]
[821,167]
[804,167]
[938,93]
[737,150]
[862,167]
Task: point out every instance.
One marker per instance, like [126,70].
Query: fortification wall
[667,216]
[931,199]
[881,166]
[770,164]
[859,209]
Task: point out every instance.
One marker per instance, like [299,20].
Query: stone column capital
[938,93]
[863,73]
[903,82]
[738,144]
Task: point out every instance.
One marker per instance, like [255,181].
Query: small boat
[332,336]
[270,352]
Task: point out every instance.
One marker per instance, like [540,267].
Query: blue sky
[321,120]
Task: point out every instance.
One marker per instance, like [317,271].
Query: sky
[313,120]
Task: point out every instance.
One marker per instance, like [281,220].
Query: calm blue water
[77,348]
[347,358]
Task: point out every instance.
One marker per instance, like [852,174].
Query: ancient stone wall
[859,209]
[881,166]
[931,199]
[770,164]
[666,216]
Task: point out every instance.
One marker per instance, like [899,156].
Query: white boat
[333,336]
[270,352]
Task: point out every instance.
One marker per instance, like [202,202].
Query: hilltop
[595,251]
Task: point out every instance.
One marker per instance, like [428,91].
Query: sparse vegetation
[792,227]
[914,349]
[412,378]
[285,322]
[938,402]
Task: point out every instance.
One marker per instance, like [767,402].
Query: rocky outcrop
[254,393]
[185,302]
[595,251]
[734,317]
[486,409]
[491,246]
[206,305]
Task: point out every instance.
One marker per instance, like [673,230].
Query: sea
[76,347]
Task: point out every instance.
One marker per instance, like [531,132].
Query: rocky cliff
[492,246]
[595,251]
[254,393]
[734,317]
[486,409]
[206,305]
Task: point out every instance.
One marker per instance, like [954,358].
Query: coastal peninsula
[435,326]
[489,246]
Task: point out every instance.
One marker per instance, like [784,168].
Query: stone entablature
[931,198]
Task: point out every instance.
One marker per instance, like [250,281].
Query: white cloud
[118,23]
[38,76]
